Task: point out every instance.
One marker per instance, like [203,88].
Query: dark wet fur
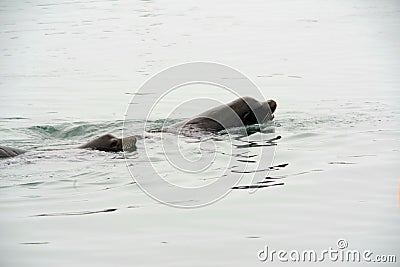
[249,111]
[7,152]
[107,143]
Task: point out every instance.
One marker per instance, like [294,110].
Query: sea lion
[7,152]
[108,143]
[243,111]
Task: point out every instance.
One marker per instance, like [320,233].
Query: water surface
[69,69]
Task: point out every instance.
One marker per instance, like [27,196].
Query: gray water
[69,69]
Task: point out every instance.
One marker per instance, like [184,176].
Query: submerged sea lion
[7,152]
[108,143]
[240,112]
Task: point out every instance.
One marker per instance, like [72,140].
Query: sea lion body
[7,152]
[240,112]
[108,143]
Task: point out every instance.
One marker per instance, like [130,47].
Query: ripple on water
[74,213]
[57,170]
[76,129]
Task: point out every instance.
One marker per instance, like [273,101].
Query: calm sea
[68,70]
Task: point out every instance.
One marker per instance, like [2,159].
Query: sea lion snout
[129,143]
[269,108]
[126,144]
[272,105]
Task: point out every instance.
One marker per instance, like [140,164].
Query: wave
[75,129]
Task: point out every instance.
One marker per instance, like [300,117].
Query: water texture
[68,70]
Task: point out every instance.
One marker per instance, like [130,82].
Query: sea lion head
[110,143]
[258,112]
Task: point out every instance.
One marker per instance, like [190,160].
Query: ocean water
[69,70]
